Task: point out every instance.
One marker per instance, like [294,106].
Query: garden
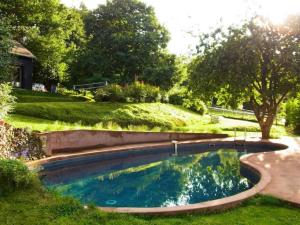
[241,81]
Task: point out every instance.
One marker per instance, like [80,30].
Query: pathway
[284,168]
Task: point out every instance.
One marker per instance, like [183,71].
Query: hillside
[50,112]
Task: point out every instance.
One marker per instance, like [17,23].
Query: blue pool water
[151,179]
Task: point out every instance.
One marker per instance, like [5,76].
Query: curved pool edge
[208,206]
[144,146]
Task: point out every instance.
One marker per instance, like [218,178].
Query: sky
[185,19]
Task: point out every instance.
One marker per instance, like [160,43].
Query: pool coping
[208,206]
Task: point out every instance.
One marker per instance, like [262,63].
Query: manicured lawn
[34,96]
[48,112]
[37,206]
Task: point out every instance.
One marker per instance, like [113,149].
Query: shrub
[136,92]
[6,100]
[140,92]
[293,114]
[214,119]
[164,97]
[195,105]
[176,98]
[111,93]
[13,175]
[153,94]
[64,91]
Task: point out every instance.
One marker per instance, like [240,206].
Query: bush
[195,105]
[110,93]
[176,99]
[293,114]
[6,100]
[13,175]
[140,92]
[136,92]
[214,119]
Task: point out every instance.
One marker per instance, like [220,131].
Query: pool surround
[208,206]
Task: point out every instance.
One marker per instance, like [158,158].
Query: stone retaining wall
[70,141]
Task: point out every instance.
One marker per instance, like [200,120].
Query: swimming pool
[155,177]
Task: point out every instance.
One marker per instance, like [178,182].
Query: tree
[51,31]
[5,47]
[257,62]
[125,39]
[161,71]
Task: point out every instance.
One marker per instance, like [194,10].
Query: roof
[20,50]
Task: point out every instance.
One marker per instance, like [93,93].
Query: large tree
[258,62]
[125,39]
[50,30]
[5,47]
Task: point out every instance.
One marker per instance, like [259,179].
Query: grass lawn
[37,206]
[46,112]
[49,112]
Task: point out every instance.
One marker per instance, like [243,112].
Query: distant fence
[90,86]
[240,114]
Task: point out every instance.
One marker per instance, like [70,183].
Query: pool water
[152,180]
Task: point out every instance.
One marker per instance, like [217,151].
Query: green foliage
[195,105]
[5,47]
[182,96]
[6,100]
[126,38]
[50,208]
[140,92]
[161,72]
[64,95]
[214,119]
[136,92]
[177,98]
[293,113]
[84,95]
[51,31]
[148,114]
[67,207]
[110,93]
[14,175]
[68,113]
[257,62]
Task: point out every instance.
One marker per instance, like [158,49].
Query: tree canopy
[5,46]
[258,62]
[125,40]
[50,30]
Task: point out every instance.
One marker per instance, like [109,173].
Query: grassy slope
[35,206]
[43,111]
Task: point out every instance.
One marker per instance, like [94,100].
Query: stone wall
[70,141]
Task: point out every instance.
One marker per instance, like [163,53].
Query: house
[24,66]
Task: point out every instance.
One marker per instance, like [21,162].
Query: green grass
[23,96]
[52,112]
[239,115]
[37,206]
[86,113]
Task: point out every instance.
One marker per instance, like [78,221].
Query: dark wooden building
[24,66]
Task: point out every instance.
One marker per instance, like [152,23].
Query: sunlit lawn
[53,112]
[36,206]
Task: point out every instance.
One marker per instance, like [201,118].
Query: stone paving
[284,168]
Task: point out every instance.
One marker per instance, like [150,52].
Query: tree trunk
[265,130]
[265,116]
